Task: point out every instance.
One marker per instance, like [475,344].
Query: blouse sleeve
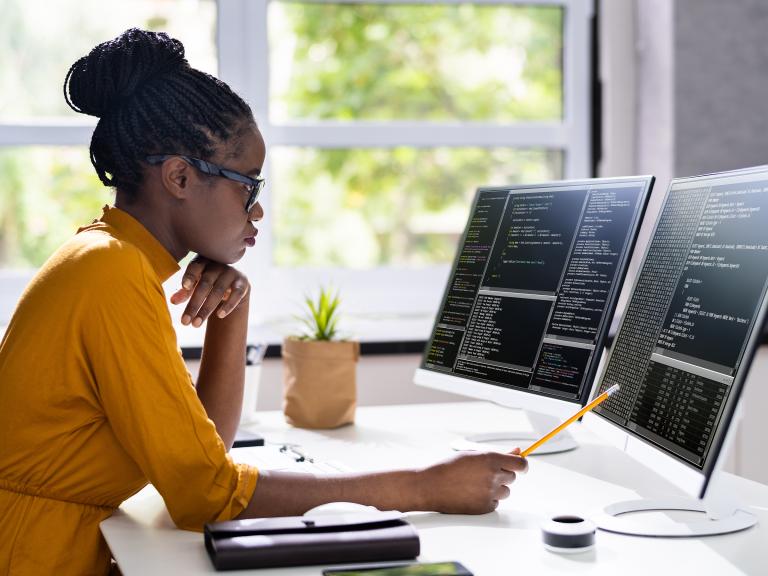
[150,402]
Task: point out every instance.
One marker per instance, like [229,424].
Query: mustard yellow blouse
[95,401]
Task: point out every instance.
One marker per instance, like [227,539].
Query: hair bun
[115,70]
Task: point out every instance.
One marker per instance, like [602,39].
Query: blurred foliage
[429,62]
[369,207]
[40,40]
[45,195]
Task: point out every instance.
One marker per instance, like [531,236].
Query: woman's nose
[256,213]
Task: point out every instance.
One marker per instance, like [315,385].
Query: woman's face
[215,223]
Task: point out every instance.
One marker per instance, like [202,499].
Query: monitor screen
[692,321]
[534,285]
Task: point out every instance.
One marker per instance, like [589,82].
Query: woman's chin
[240,253]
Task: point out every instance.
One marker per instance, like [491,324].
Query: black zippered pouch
[302,540]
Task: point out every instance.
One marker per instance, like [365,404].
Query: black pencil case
[302,540]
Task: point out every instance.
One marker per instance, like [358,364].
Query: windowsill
[366,349]
[377,334]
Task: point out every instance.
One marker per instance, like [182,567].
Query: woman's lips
[251,240]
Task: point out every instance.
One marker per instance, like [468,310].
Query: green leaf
[322,316]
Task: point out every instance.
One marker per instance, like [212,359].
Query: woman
[95,400]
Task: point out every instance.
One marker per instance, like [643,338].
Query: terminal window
[536,274]
[690,315]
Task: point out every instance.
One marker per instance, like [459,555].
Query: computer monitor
[684,346]
[530,297]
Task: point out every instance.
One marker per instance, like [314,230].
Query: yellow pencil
[571,420]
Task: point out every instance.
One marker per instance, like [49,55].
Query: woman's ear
[175,176]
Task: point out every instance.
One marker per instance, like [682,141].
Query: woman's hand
[210,286]
[471,482]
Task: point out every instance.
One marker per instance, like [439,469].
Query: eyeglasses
[254,186]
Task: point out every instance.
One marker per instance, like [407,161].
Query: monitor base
[506,441]
[613,521]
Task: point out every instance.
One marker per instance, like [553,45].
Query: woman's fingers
[199,296]
[215,288]
[505,477]
[225,295]
[208,295]
[194,271]
[512,462]
[472,483]
[232,298]
[189,280]
[502,492]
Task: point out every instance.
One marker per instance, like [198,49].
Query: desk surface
[144,541]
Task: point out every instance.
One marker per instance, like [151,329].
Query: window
[381,118]
[48,187]
[40,40]
[46,193]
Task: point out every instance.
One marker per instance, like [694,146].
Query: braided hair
[149,101]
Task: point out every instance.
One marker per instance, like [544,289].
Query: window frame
[385,292]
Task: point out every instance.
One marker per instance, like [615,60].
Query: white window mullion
[243,47]
[257,61]
[576,87]
[51,132]
[420,134]
[231,40]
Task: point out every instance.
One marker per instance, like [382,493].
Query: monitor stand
[723,515]
[506,441]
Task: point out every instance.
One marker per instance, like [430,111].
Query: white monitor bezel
[690,480]
[517,398]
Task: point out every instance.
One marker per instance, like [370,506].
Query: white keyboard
[272,457]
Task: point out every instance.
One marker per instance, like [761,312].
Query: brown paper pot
[319,388]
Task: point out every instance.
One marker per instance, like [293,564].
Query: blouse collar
[131,230]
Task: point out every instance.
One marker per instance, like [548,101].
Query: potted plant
[319,369]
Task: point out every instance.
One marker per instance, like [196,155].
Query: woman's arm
[219,294]
[222,371]
[468,483]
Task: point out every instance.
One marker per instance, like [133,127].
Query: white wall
[380,380]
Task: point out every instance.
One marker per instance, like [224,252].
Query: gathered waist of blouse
[41,492]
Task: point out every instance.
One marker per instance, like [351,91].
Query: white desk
[144,541]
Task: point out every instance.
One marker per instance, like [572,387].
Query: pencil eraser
[568,534]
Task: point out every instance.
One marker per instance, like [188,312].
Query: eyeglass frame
[254,186]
